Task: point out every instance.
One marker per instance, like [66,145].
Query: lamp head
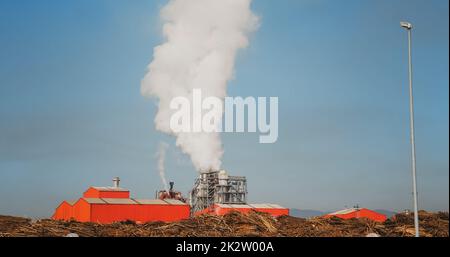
[406,25]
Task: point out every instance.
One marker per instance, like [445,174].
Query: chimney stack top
[116,182]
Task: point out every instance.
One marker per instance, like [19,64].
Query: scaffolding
[217,187]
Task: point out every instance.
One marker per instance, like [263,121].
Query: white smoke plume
[161,155]
[202,39]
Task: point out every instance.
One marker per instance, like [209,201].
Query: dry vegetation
[232,224]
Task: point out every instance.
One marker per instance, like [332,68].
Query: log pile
[234,224]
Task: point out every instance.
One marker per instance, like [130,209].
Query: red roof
[358,213]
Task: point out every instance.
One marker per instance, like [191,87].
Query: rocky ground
[233,225]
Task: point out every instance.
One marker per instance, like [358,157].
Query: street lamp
[408,26]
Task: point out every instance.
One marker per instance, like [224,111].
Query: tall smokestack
[202,40]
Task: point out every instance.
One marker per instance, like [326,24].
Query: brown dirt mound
[234,224]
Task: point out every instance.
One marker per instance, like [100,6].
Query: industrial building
[113,204]
[215,192]
[216,187]
[358,213]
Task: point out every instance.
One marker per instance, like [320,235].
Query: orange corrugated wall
[94,193]
[81,211]
[165,213]
[209,210]
[63,212]
[109,213]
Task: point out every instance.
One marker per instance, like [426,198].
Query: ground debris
[234,224]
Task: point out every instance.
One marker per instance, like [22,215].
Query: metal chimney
[116,181]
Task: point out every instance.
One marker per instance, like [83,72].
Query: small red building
[113,204]
[222,209]
[358,213]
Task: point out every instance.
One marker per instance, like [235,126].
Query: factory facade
[113,204]
[214,193]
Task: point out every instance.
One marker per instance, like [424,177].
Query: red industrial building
[222,209]
[113,204]
[358,213]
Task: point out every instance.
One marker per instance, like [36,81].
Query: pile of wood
[234,224]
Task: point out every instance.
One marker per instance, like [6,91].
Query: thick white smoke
[202,39]
[161,155]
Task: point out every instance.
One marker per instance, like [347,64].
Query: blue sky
[71,113]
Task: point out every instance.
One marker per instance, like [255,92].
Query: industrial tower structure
[217,187]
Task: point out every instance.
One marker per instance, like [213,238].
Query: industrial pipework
[217,187]
[172,194]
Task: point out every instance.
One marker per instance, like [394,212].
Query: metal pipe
[116,182]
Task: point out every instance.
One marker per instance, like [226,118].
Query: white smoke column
[202,39]
[161,155]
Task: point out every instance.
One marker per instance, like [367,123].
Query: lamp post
[408,26]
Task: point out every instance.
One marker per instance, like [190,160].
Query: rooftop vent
[116,182]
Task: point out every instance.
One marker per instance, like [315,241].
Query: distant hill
[305,213]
